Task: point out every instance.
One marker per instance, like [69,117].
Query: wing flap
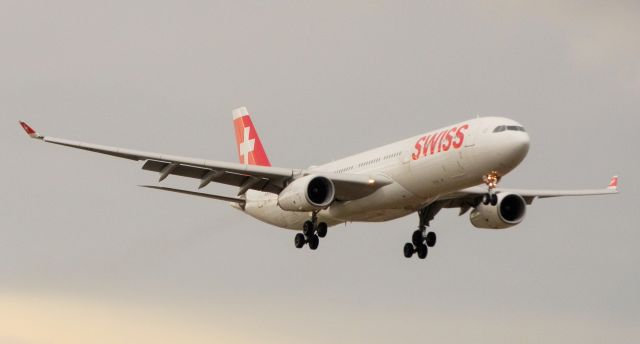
[180,170]
[199,194]
[223,177]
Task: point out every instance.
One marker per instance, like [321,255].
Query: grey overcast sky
[86,256]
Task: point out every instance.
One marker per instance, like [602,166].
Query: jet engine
[508,212]
[308,193]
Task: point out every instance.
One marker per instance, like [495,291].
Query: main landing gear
[491,179]
[312,231]
[421,240]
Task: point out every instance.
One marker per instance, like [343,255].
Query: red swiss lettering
[430,144]
[457,143]
[441,136]
[448,139]
[426,145]
[418,147]
[443,141]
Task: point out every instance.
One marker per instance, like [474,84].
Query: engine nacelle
[509,211]
[308,193]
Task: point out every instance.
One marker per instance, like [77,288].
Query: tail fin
[250,150]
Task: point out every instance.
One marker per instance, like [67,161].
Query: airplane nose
[519,146]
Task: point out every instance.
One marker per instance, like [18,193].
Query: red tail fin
[250,150]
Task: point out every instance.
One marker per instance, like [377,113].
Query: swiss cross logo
[246,146]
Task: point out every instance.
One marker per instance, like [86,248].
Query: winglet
[613,184]
[32,133]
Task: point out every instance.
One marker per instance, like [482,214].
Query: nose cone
[517,148]
[502,146]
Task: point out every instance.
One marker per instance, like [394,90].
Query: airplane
[458,166]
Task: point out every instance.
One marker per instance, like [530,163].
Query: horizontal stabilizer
[199,194]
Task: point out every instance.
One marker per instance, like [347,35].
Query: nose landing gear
[312,231]
[491,179]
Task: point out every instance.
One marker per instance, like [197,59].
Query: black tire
[322,229]
[431,239]
[486,199]
[299,240]
[417,238]
[307,228]
[408,250]
[313,242]
[494,200]
[422,251]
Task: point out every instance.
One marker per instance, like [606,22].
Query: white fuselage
[423,168]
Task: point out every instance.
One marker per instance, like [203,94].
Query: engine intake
[308,193]
[509,211]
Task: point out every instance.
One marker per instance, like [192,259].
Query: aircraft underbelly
[387,203]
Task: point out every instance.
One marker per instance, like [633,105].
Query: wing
[246,177]
[467,198]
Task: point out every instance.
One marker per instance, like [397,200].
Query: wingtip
[29,130]
[613,184]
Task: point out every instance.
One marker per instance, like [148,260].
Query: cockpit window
[508,127]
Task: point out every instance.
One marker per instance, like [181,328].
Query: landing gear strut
[491,179]
[312,231]
[421,240]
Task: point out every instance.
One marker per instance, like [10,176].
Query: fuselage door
[470,136]
[468,153]
[406,156]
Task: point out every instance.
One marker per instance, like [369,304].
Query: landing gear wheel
[486,199]
[417,238]
[431,239]
[313,242]
[322,229]
[299,240]
[307,228]
[408,250]
[494,200]
[422,251]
